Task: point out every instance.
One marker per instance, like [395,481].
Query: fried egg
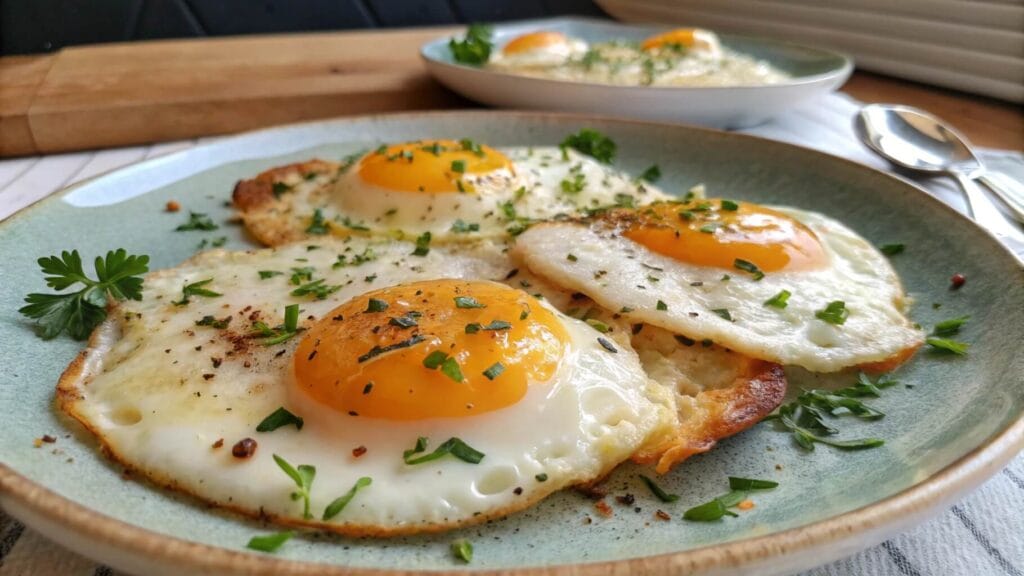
[692,39]
[451,190]
[404,391]
[539,49]
[776,284]
[717,392]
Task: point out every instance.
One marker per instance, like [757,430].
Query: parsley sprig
[475,48]
[592,143]
[79,312]
[454,446]
[303,477]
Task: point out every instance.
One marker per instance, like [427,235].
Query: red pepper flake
[358,451]
[244,448]
[662,515]
[957,281]
[603,508]
[208,376]
[218,443]
[49,439]
[173,206]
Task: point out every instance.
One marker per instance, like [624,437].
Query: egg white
[160,392]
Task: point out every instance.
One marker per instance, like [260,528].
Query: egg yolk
[534,41]
[685,37]
[718,232]
[432,349]
[431,166]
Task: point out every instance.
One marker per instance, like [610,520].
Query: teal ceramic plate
[951,423]
[814,72]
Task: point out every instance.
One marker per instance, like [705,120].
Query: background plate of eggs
[649,72]
[583,390]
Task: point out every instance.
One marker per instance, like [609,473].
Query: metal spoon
[916,140]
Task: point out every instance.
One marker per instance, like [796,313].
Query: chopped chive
[723,313]
[450,368]
[375,305]
[279,418]
[271,542]
[467,302]
[661,306]
[378,350]
[730,205]
[494,371]
[542,477]
[459,166]
[454,446]
[658,491]
[947,345]
[462,549]
[748,266]
[434,359]
[736,483]
[652,174]
[950,327]
[891,249]
[422,245]
[264,274]
[779,300]
[834,313]
[598,325]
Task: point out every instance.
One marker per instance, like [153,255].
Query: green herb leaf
[422,245]
[658,491]
[467,302]
[652,174]
[661,306]
[460,227]
[271,542]
[335,507]
[303,478]
[732,498]
[450,368]
[542,477]
[279,189]
[378,350]
[283,332]
[730,206]
[78,313]
[723,313]
[375,305]
[453,446]
[279,418]
[317,225]
[891,249]
[403,321]
[434,359]
[950,327]
[475,48]
[750,267]
[737,483]
[494,371]
[213,322]
[707,512]
[316,288]
[197,221]
[196,289]
[459,166]
[710,227]
[598,325]
[367,255]
[947,345]
[574,186]
[264,274]
[462,549]
[834,313]
[779,300]
[592,143]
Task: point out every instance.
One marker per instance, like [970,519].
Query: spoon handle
[988,216]
[1006,189]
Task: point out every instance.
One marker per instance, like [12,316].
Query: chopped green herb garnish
[710,227]
[661,306]
[213,322]
[574,186]
[475,47]
[434,359]
[571,257]
[264,274]
[118,278]
[658,491]
[598,325]
[723,313]
[780,300]
[950,327]
[494,371]
[736,483]
[378,350]
[450,368]
[196,289]
[891,249]
[335,507]
[357,260]
[303,478]
[403,321]
[300,275]
[467,302]
[592,143]
[316,288]
[317,225]
[459,166]
[197,221]
[351,225]
[462,549]
[281,333]
[730,206]
[471,146]
[422,245]
[460,227]
[947,345]
[271,542]
[542,477]
[375,305]
[652,174]
[278,418]
[453,446]
[748,266]
[834,313]
[708,512]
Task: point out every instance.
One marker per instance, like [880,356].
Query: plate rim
[898,510]
[841,72]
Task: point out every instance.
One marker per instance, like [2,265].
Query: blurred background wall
[33,26]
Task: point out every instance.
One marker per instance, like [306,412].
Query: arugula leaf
[592,143]
[335,507]
[303,478]
[270,542]
[78,313]
[475,48]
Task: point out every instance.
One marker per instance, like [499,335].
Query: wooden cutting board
[111,95]
[134,93]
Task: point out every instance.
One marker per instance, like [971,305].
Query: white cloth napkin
[982,535]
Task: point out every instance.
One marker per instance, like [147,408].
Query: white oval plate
[814,72]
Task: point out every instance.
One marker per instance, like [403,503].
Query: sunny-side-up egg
[541,49]
[718,392]
[367,389]
[695,40]
[777,284]
[447,189]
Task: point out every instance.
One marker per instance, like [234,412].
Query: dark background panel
[33,26]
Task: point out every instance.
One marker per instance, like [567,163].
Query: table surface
[986,122]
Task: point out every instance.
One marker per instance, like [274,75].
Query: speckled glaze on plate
[813,72]
[959,423]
